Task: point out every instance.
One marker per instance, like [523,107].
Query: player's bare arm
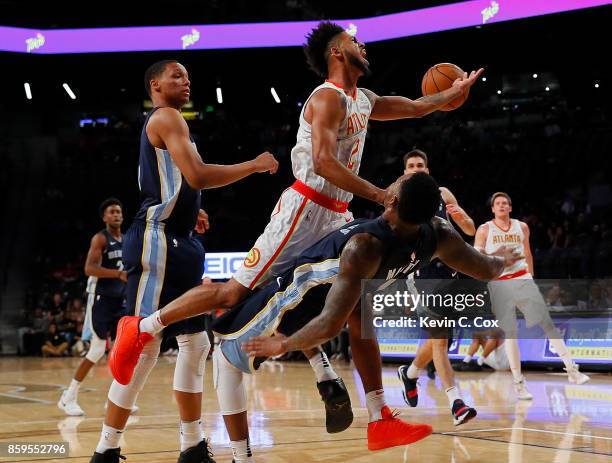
[456,212]
[388,108]
[460,256]
[93,262]
[527,247]
[324,113]
[480,240]
[359,260]
[168,130]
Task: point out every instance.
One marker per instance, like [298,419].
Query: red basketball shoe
[391,431]
[128,346]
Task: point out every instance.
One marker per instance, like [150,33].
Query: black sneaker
[410,391]
[462,413]
[197,454]
[110,456]
[431,370]
[338,411]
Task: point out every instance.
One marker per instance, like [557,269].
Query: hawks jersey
[112,258]
[351,137]
[166,196]
[513,237]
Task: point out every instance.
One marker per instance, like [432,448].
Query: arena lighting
[499,92]
[274,95]
[484,79]
[596,85]
[28,91]
[219,95]
[548,89]
[279,34]
[69,91]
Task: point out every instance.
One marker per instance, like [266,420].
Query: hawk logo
[252,258]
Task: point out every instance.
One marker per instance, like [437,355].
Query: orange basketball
[439,78]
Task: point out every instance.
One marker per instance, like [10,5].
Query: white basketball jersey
[511,238]
[351,137]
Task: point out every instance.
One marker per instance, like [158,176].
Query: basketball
[440,77]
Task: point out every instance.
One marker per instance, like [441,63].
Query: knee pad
[191,362]
[125,396]
[229,384]
[97,347]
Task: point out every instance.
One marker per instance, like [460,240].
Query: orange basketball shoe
[391,431]
[128,346]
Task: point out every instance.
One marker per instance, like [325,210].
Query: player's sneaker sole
[338,410]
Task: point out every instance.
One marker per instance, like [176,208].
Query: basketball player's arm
[94,259]
[480,240]
[388,108]
[327,114]
[359,260]
[456,212]
[460,256]
[171,128]
[527,248]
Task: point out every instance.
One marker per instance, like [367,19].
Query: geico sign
[222,265]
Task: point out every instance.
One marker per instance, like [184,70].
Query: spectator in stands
[55,344]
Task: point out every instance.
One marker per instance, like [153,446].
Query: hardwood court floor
[564,423]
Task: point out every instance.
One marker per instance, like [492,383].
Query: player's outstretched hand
[465,82]
[510,255]
[202,224]
[264,346]
[266,162]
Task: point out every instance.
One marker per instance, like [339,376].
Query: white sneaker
[135,408]
[574,376]
[521,390]
[69,405]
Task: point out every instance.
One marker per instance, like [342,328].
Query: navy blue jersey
[436,269]
[166,197]
[112,258]
[318,266]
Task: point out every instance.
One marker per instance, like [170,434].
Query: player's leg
[231,393]
[121,400]
[460,411]
[409,374]
[384,429]
[536,312]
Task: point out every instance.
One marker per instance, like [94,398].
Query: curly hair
[316,47]
[419,198]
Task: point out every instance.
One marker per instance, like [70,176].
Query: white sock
[191,434]
[467,358]
[562,352]
[73,389]
[152,324]
[109,438]
[514,358]
[453,394]
[413,371]
[322,368]
[241,451]
[480,360]
[375,401]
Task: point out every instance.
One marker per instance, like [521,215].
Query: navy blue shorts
[161,266]
[105,314]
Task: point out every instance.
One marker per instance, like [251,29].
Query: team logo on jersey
[252,258]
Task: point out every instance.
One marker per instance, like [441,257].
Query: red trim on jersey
[505,231]
[282,245]
[319,198]
[353,95]
[510,276]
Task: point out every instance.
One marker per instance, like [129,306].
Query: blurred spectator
[55,344]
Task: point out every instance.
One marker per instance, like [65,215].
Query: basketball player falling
[105,301]
[325,160]
[516,288]
[405,238]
